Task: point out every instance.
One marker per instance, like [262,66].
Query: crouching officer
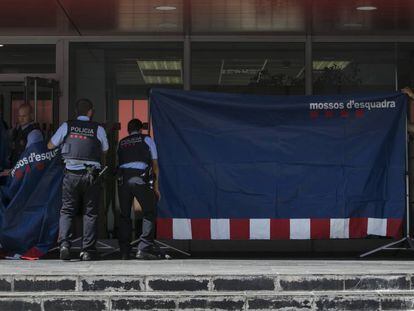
[83,145]
[138,177]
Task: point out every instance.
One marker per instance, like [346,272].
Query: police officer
[25,133]
[83,145]
[138,177]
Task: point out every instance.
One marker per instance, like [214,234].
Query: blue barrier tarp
[30,203]
[231,156]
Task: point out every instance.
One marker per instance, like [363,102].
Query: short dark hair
[83,106]
[134,125]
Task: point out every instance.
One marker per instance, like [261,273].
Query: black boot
[64,253]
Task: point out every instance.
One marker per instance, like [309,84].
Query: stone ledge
[112,284]
[97,301]
[42,283]
[219,283]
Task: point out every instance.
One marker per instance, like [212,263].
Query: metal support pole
[406,242]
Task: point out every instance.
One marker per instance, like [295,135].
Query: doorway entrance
[41,93]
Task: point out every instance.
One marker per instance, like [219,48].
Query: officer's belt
[76,172]
[133,171]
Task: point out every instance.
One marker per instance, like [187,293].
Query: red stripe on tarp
[358,227]
[359,113]
[280,229]
[394,228]
[320,228]
[19,174]
[201,229]
[239,229]
[329,114]
[165,228]
[344,113]
[314,114]
[32,254]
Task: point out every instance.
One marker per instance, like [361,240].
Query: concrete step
[205,283]
[115,301]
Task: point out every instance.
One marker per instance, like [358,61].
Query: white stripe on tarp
[259,229]
[377,226]
[220,229]
[300,229]
[182,229]
[339,228]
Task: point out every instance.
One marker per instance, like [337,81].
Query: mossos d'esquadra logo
[353,104]
[34,158]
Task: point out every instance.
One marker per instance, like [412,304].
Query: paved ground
[205,267]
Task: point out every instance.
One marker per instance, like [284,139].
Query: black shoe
[86,256]
[125,256]
[146,255]
[64,253]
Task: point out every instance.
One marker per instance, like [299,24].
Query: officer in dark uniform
[138,177]
[83,145]
[24,134]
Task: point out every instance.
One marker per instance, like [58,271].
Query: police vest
[19,141]
[81,141]
[133,148]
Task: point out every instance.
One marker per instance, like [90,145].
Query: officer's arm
[409,92]
[155,169]
[59,136]
[102,137]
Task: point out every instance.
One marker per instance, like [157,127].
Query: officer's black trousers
[133,186]
[78,193]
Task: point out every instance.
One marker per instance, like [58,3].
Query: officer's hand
[408,91]
[157,192]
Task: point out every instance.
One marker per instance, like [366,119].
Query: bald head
[25,114]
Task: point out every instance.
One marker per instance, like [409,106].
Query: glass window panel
[21,58]
[109,72]
[261,68]
[406,65]
[340,68]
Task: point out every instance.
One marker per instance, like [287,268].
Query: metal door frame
[32,83]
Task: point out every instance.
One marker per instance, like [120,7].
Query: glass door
[43,95]
[129,109]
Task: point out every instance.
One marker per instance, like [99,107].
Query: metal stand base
[406,244]
[100,247]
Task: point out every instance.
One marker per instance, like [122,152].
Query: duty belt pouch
[120,177]
[92,174]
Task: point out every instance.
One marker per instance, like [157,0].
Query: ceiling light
[163,80]
[366,8]
[161,71]
[320,65]
[165,8]
[159,64]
